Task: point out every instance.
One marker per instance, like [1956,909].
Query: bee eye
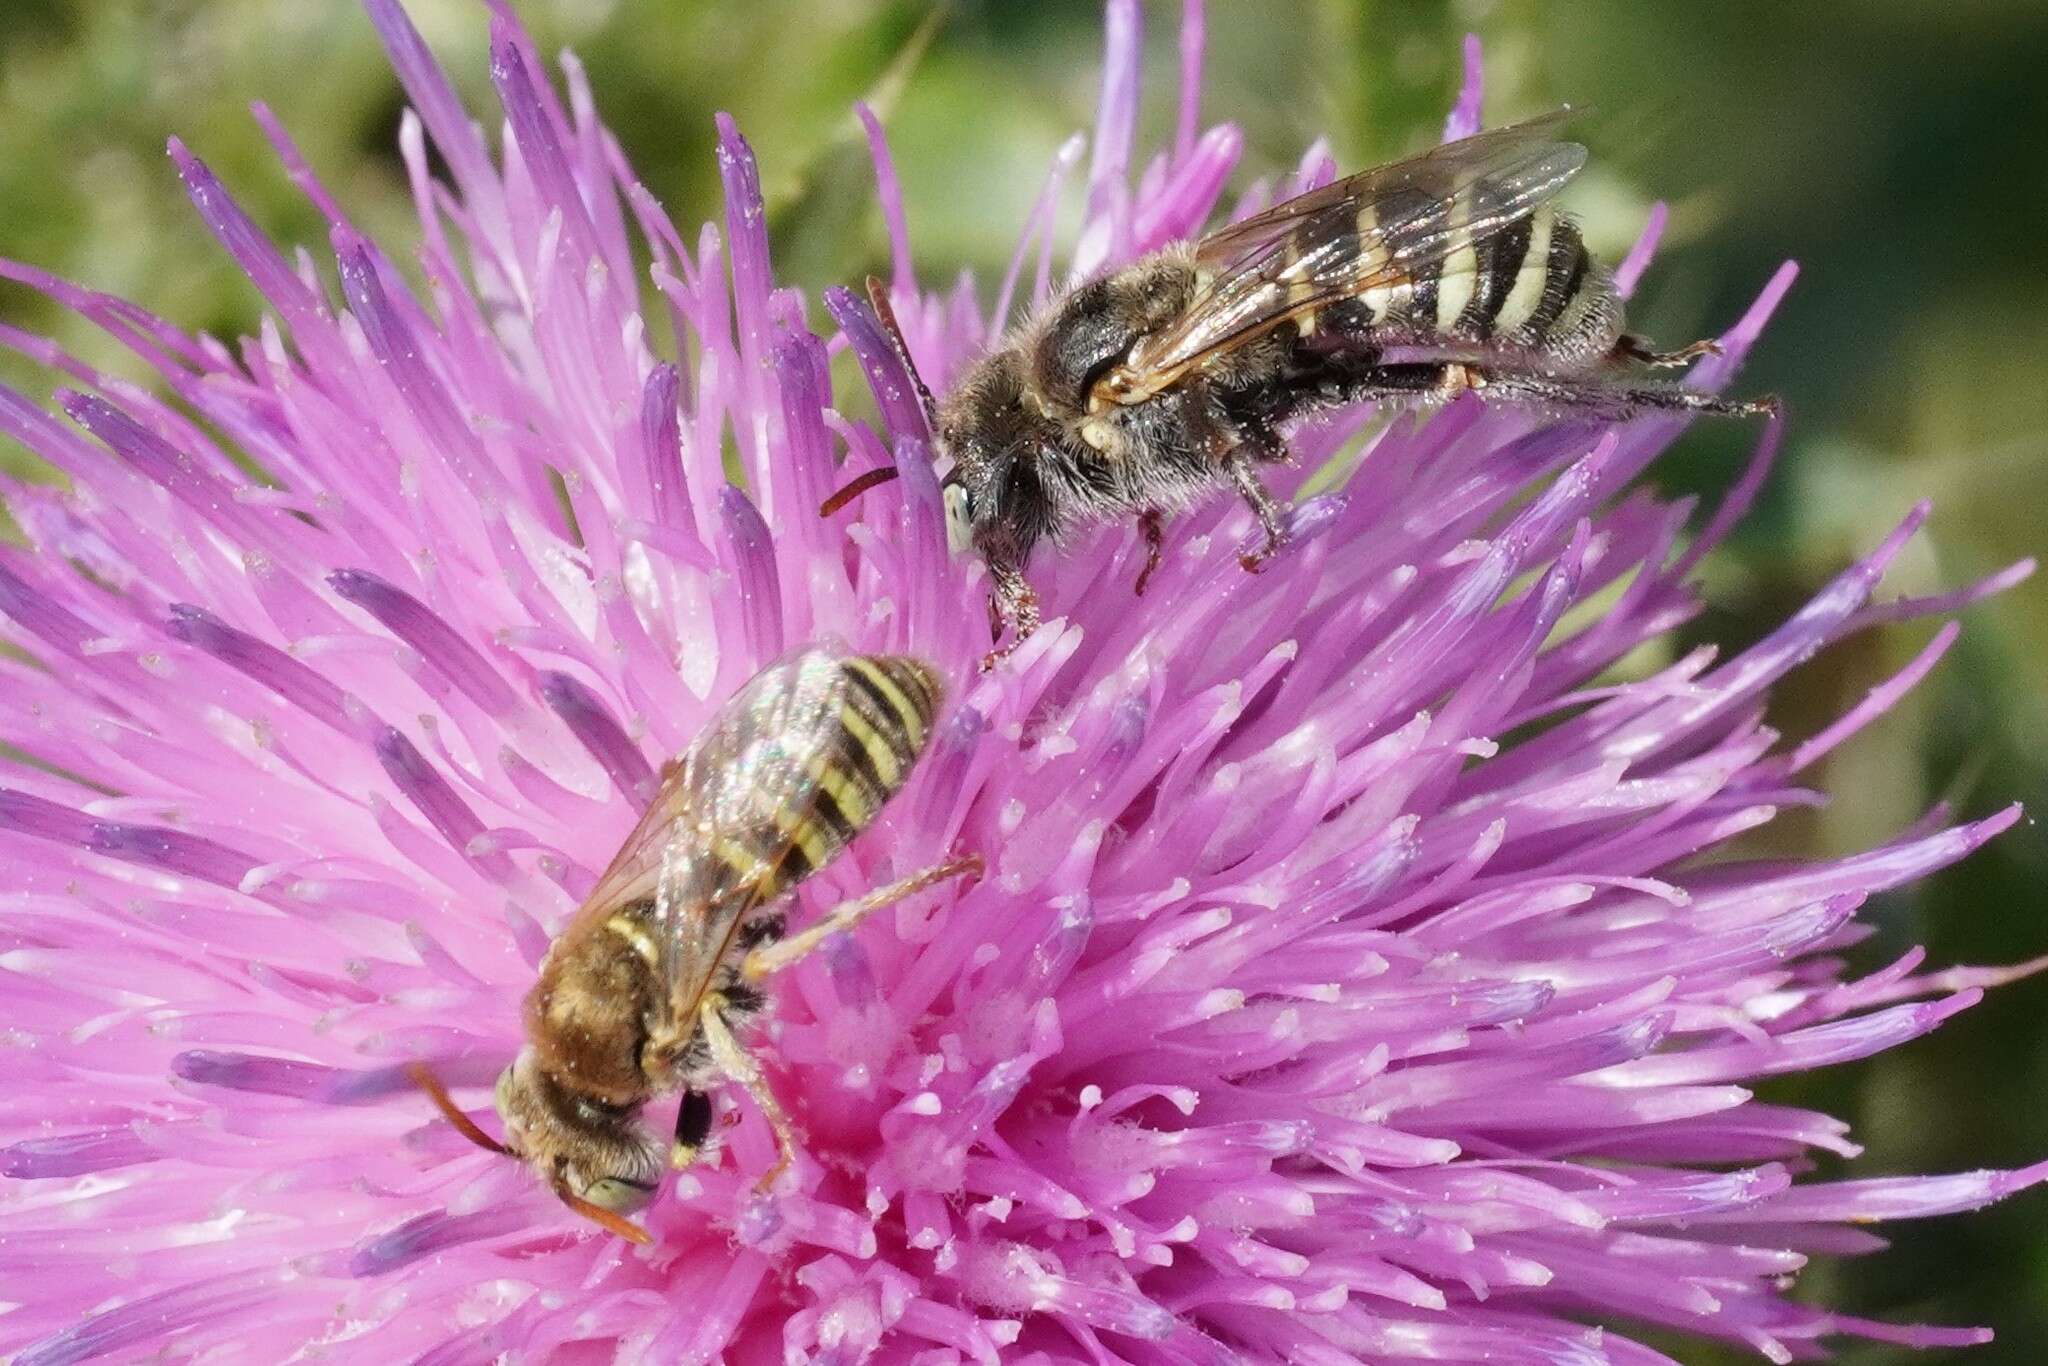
[501,1095]
[959,519]
[618,1194]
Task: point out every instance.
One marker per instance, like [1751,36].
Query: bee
[1143,392]
[649,988]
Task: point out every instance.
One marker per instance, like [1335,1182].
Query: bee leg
[1015,604]
[1408,382]
[1154,527]
[1268,447]
[739,1067]
[1263,506]
[1454,379]
[773,958]
[1639,350]
[1615,404]
[693,1127]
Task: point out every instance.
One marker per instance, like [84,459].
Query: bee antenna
[855,487]
[885,313]
[608,1220]
[424,1078]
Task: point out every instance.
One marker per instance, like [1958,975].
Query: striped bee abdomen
[1553,297]
[885,720]
[1530,286]
[860,756]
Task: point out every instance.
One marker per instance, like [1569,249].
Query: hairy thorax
[588,1013]
[1036,440]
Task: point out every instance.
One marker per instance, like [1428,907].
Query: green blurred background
[1898,150]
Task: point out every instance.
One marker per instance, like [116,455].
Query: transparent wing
[635,871]
[751,771]
[1375,228]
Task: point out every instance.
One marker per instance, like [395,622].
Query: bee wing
[1376,228]
[635,871]
[744,788]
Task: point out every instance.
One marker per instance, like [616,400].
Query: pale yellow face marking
[1098,434]
[629,929]
[959,522]
[906,711]
[1527,293]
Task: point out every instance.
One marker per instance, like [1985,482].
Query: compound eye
[959,519]
[618,1195]
[501,1095]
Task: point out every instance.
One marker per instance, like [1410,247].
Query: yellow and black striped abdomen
[1542,291]
[885,720]
[858,753]
[1530,286]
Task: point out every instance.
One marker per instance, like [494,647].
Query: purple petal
[1465,116]
[406,617]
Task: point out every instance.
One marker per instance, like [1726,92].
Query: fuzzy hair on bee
[650,988]
[1146,391]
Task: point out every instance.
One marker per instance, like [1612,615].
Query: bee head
[995,434]
[595,1152]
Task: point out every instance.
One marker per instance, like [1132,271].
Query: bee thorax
[586,1015]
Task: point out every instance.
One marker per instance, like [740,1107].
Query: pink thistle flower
[1304,1016]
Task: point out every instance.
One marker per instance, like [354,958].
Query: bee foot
[1255,561]
[1004,651]
[766,1185]
[1154,527]
[1633,348]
